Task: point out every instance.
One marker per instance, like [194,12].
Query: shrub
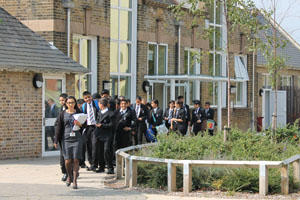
[240,146]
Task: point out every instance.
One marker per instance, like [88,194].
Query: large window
[123,47]
[240,68]
[192,67]
[85,53]
[217,65]
[284,80]
[157,59]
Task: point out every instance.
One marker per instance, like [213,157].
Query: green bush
[240,146]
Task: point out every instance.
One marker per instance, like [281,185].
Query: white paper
[81,118]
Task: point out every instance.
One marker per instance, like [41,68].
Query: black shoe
[91,169]
[100,170]
[110,171]
[75,187]
[64,178]
[83,166]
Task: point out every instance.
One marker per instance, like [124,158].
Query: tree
[238,15]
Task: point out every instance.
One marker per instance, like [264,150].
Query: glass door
[53,87]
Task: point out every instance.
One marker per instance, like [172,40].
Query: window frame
[156,58]
[244,83]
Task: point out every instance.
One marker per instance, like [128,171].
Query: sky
[288,14]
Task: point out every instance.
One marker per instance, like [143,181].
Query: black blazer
[124,120]
[187,111]
[209,114]
[60,127]
[158,117]
[200,115]
[143,113]
[180,125]
[105,132]
[166,115]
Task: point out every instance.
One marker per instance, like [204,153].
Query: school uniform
[123,119]
[209,114]
[91,110]
[187,116]
[169,115]
[198,114]
[155,118]
[180,126]
[104,136]
[140,125]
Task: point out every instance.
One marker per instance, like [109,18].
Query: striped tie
[91,115]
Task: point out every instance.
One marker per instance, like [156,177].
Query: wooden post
[127,171]
[296,169]
[171,177]
[263,180]
[187,177]
[119,166]
[133,173]
[285,179]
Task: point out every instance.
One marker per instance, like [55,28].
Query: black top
[107,120]
[156,118]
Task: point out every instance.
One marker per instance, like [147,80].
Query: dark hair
[172,101]
[76,106]
[180,97]
[179,102]
[128,100]
[63,95]
[118,101]
[80,101]
[121,100]
[207,103]
[96,96]
[155,101]
[138,98]
[121,97]
[86,93]
[105,91]
[104,102]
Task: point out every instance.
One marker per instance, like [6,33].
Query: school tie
[91,115]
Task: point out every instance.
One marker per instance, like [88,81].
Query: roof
[291,52]
[23,50]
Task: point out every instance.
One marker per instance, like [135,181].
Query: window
[85,53]
[192,67]
[123,47]
[240,69]
[157,59]
[217,64]
[286,80]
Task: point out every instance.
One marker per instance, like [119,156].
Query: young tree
[238,15]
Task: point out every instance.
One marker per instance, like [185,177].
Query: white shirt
[104,111]
[122,111]
[88,112]
[137,110]
[154,110]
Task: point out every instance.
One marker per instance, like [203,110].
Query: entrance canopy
[199,78]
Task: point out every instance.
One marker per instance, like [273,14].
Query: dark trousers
[197,128]
[105,154]
[140,132]
[122,139]
[89,146]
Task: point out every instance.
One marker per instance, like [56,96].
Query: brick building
[26,58]
[127,42]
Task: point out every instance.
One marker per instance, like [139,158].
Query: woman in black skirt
[69,140]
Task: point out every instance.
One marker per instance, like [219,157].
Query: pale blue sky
[288,14]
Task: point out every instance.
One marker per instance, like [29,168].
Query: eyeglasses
[70,102]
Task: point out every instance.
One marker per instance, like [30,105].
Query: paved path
[41,179]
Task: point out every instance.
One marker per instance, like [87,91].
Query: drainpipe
[68,4]
[253,81]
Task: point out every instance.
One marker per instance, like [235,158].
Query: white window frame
[214,51]
[133,44]
[157,54]
[244,73]
[288,77]
[94,61]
